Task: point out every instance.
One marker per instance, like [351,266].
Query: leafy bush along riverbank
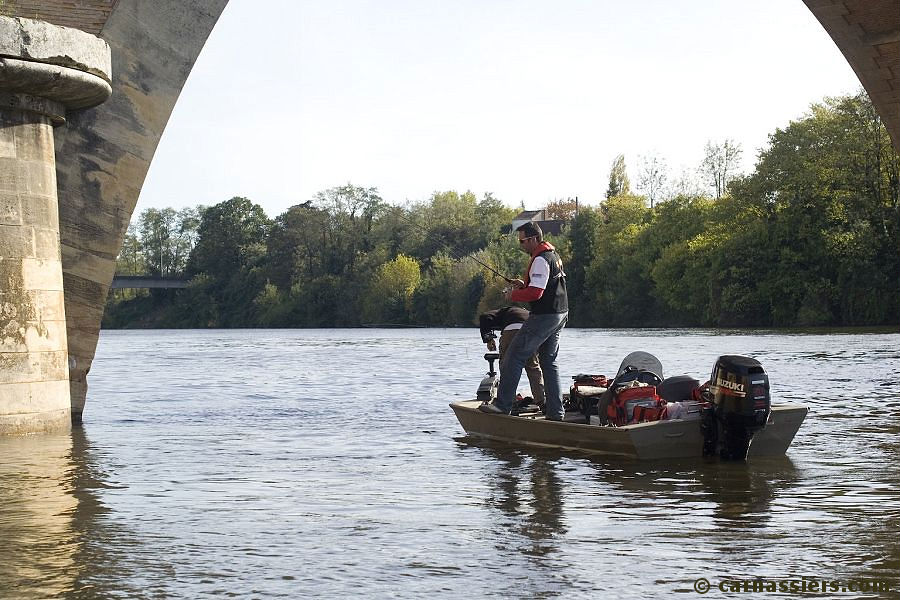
[809,238]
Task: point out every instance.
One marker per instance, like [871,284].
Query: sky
[528,100]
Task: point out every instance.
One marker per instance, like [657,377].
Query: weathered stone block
[13,325]
[7,141]
[46,244]
[79,314]
[9,174]
[39,211]
[84,345]
[50,44]
[88,291]
[53,421]
[17,367]
[18,308]
[50,304]
[86,265]
[30,367]
[34,140]
[45,336]
[10,209]
[10,276]
[37,276]
[32,397]
[16,241]
[37,177]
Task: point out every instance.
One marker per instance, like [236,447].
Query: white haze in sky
[529,100]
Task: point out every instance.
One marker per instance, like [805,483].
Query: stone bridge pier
[45,71]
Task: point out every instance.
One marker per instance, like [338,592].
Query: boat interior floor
[534,412]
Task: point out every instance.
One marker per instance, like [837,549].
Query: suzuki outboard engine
[738,406]
[487,389]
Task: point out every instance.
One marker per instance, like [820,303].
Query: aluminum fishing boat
[674,438]
[640,414]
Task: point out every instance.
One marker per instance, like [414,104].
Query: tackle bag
[635,404]
[584,393]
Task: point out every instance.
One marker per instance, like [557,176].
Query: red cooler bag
[625,404]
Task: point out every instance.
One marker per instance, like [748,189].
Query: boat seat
[589,391]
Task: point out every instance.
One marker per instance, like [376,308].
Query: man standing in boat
[508,321]
[544,288]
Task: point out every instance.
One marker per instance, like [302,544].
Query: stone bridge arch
[103,153]
[867,32]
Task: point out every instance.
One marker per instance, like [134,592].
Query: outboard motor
[738,406]
[487,389]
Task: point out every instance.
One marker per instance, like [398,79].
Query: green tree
[491,215]
[347,233]
[810,237]
[391,290]
[131,259]
[681,233]
[157,227]
[562,209]
[231,235]
[826,189]
[451,224]
[618,178]
[449,292]
[720,164]
[187,224]
[297,245]
[582,236]
[618,283]
[652,175]
[230,252]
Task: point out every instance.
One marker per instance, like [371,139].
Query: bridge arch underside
[103,154]
[867,32]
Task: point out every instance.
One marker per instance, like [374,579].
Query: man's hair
[531,229]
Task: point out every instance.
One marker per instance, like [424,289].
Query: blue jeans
[539,334]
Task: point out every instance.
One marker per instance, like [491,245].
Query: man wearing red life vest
[544,288]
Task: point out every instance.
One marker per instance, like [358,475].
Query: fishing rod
[492,270]
[450,249]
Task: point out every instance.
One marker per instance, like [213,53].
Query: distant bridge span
[124,282]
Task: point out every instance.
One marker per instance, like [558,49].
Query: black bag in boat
[679,388]
[585,391]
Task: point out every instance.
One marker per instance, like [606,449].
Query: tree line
[809,238]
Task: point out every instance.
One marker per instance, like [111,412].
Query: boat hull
[646,441]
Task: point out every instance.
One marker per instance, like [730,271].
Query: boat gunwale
[630,441]
[465,404]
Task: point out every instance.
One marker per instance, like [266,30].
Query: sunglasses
[522,240]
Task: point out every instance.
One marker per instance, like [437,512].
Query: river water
[326,463]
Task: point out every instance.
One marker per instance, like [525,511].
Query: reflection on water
[40,547]
[50,517]
[721,494]
[56,540]
[272,464]
[528,492]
